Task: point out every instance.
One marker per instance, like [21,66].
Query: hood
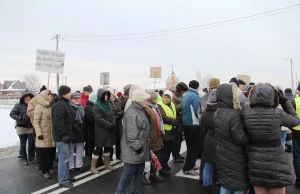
[228,96]
[83,96]
[126,89]
[262,95]
[22,99]
[42,98]
[101,93]
[93,97]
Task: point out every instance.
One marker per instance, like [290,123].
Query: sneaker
[146,181]
[191,173]
[155,178]
[73,169]
[66,185]
[25,162]
[71,179]
[32,160]
[47,176]
[178,160]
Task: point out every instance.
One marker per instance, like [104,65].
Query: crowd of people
[240,132]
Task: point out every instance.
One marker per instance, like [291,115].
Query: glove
[282,99]
[139,151]
[147,166]
[41,137]
[66,139]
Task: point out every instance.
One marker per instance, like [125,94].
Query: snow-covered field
[8,135]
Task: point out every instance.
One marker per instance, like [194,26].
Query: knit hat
[234,80]
[93,97]
[119,94]
[140,95]
[75,95]
[182,87]
[153,95]
[43,88]
[169,93]
[88,89]
[214,83]
[242,82]
[161,92]
[212,96]
[63,90]
[194,84]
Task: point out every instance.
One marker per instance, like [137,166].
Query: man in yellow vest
[296,140]
[168,112]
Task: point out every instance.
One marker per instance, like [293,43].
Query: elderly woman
[135,143]
[268,165]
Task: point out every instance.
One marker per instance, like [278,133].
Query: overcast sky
[257,48]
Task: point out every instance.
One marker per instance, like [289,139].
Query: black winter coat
[79,128]
[104,124]
[63,117]
[89,121]
[210,141]
[116,108]
[231,141]
[268,164]
[19,112]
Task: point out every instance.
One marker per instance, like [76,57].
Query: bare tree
[32,82]
[204,81]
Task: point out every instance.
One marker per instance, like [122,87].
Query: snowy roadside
[9,151]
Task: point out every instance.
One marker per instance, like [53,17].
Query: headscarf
[131,90]
[212,97]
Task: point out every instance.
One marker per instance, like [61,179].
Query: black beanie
[63,90]
[194,84]
[43,88]
[235,81]
[88,89]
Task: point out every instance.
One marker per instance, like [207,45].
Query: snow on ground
[8,134]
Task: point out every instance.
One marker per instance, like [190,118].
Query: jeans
[63,162]
[166,153]
[177,141]
[79,155]
[31,145]
[296,155]
[131,171]
[207,174]
[283,137]
[226,191]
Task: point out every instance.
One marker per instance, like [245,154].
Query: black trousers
[46,158]
[89,148]
[98,151]
[194,143]
[177,141]
[158,154]
[166,153]
[118,149]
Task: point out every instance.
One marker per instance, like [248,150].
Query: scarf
[105,106]
[159,121]
[79,112]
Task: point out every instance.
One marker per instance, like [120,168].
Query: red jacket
[83,99]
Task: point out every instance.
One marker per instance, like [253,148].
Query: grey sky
[257,48]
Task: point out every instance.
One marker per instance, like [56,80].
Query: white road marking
[180,173]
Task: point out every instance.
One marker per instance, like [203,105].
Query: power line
[182,31]
[191,27]
[24,56]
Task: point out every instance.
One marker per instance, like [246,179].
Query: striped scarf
[159,121]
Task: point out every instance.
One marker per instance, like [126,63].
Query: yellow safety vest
[159,98]
[169,112]
[297,96]
[297,101]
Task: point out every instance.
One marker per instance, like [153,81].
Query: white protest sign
[50,61]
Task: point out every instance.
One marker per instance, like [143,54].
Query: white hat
[140,95]
[93,97]
[169,93]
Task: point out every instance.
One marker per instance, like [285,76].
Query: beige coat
[42,121]
[31,106]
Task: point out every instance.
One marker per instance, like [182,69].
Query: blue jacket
[190,105]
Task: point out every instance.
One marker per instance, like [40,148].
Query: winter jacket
[83,99]
[31,106]
[202,106]
[116,108]
[156,141]
[19,113]
[89,121]
[169,134]
[42,121]
[104,124]
[268,164]
[210,141]
[231,140]
[63,117]
[289,96]
[295,133]
[79,128]
[136,133]
[244,102]
[177,100]
[124,99]
[190,105]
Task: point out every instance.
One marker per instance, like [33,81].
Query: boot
[289,149]
[93,164]
[106,157]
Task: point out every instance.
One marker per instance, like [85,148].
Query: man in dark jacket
[296,139]
[181,89]
[231,141]
[63,123]
[289,96]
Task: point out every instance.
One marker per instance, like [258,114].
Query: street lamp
[292,77]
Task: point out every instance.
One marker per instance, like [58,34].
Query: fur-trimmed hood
[263,95]
[228,96]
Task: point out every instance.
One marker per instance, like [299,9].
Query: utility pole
[57,75]
[292,77]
